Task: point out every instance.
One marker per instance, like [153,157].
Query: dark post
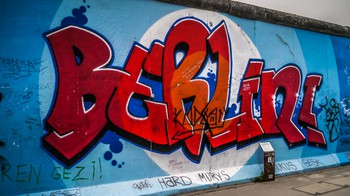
[268,158]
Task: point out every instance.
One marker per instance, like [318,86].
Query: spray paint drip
[115,147]
[78,17]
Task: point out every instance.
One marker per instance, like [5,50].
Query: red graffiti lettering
[222,132]
[268,110]
[150,128]
[249,128]
[92,97]
[179,85]
[306,116]
[288,79]
[81,57]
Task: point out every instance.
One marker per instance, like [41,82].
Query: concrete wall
[143,97]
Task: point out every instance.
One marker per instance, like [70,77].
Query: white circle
[242,49]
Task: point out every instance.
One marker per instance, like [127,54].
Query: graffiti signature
[332,117]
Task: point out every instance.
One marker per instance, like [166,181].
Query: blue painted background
[27,84]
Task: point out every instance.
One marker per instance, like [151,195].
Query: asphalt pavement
[325,182]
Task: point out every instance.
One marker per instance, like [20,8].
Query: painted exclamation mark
[93,170]
[99,161]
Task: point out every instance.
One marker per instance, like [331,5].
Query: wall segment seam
[248,11]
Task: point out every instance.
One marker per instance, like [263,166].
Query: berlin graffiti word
[28,173]
[211,176]
[18,68]
[332,117]
[174,181]
[312,162]
[186,111]
[145,184]
[285,166]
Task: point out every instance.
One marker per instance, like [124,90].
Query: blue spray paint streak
[78,17]
[115,147]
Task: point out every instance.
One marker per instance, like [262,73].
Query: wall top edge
[253,12]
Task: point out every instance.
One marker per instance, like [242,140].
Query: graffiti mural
[155,97]
[188,112]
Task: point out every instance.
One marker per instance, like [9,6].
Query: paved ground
[331,181]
